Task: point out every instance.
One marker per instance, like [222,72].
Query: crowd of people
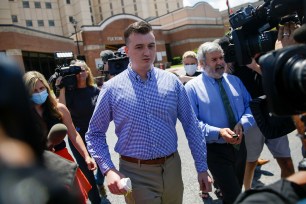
[213,101]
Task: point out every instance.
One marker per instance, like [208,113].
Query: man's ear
[126,50]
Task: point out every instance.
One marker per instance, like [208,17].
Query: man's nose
[146,51]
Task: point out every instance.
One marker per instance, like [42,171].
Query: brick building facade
[175,32]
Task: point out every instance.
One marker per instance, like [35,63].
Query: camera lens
[295,74]
[284,79]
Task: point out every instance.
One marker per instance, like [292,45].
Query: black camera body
[284,79]
[118,64]
[68,71]
[284,70]
[69,80]
[251,35]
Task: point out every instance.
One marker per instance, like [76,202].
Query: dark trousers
[93,194]
[227,166]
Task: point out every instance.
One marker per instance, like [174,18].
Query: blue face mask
[40,98]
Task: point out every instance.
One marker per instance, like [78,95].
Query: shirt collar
[137,77]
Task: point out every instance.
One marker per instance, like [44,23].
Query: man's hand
[113,177]
[205,182]
[238,129]
[227,135]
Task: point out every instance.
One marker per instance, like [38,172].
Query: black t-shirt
[81,104]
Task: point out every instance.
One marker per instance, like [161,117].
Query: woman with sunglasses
[52,112]
[81,101]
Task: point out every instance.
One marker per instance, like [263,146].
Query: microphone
[299,34]
[56,135]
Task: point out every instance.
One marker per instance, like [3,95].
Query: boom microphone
[56,135]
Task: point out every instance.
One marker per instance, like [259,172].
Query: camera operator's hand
[58,83]
[254,66]
[62,91]
[285,37]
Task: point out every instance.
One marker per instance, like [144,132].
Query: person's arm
[254,66]
[75,137]
[61,89]
[96,140]
[285,37]
[196,140]
[62,96]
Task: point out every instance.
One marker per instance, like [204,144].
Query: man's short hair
[106,55]
[141,27]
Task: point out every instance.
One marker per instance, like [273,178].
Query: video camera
[69,80]
[118,64]
[65,70]
[251,32]
[284,70]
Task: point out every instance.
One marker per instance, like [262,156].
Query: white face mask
[190,69]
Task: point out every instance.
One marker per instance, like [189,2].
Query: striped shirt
[145,115]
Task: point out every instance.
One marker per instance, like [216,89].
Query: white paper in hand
[126,184]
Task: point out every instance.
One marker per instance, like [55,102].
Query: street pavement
[267,174]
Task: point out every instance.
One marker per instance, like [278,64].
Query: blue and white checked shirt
[145,115]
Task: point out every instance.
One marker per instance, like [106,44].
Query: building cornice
[32,32]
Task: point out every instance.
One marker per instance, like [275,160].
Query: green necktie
[228,109]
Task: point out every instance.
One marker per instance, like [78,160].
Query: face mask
[40,98]
[190,69]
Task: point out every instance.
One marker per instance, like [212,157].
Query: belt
[160,160]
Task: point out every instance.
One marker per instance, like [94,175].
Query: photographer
[81,103]
[105,56]
[113,62]
[284,85]
[293,188]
